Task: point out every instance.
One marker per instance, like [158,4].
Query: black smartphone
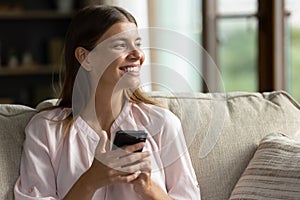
[129,137]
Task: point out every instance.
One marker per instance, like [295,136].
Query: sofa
[223,132]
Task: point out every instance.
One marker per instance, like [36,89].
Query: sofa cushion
[273,172]
[13,119]
[223,131]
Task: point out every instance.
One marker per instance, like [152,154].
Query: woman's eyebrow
[118,39]
[123,39]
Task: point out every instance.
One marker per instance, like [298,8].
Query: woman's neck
[108,107]
[103,109]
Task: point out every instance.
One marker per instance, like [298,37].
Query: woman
[67,152]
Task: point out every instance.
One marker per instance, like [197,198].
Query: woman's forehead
[120,30]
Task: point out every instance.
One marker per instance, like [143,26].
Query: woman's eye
[119,46]
[138,44]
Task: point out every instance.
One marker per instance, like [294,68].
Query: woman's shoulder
[158,112]
[161,110]
[55,114]
[46,121]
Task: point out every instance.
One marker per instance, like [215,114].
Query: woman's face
[117,59]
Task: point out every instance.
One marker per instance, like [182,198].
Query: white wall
[177,55]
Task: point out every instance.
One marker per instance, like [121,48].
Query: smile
[130,69]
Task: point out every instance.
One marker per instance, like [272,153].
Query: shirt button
[30,190]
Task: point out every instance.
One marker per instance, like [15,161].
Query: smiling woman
[116,60]
[67,153]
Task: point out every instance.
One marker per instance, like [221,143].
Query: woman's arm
[38,171]
[37,176]
[181,180]
[110,169]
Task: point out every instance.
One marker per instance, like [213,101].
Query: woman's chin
[129,83]
[134,84]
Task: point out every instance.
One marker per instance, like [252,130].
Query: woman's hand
[121,165]
[148,189]
[143,184]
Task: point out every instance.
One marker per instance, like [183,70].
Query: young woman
[68,152]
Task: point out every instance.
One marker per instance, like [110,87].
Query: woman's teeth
[131,69]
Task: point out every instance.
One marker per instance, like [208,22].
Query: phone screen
[129,137]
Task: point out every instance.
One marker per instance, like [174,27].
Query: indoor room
[231,34]
[201,97]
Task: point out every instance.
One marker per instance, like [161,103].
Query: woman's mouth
[130,69]
[130,75]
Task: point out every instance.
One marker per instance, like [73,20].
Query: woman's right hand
[121,165]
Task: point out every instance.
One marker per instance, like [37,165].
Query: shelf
[26,15]
[37,27]
[24,70]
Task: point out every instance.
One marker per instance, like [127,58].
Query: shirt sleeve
[181,181]
[37,177]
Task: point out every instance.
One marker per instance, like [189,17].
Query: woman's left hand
[144,186]
[143,183]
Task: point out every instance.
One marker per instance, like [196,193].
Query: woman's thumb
[101,145]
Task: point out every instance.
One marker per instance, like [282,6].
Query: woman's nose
[135,54]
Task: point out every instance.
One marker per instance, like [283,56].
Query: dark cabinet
[31,43]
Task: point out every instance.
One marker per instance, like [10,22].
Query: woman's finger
[127,178]
[101,147]
[137,166]
[135,147]
[103,141]
[130,158]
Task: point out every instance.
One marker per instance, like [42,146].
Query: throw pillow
[273,172]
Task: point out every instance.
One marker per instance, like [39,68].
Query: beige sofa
[222,131]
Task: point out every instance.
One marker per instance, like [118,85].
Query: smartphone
[129,137]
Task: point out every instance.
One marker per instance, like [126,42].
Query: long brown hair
[85,29]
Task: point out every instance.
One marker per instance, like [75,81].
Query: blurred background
[197,45]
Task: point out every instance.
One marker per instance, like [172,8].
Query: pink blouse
[52,161]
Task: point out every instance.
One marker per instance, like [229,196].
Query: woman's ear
[81,55]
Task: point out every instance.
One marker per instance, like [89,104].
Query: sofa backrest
[13,119]
[222,131]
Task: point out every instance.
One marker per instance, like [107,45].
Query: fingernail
[138,172]
[141,145]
